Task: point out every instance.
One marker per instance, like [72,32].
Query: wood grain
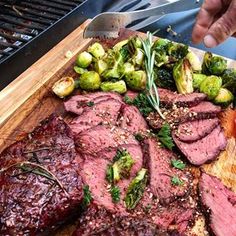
[28,100]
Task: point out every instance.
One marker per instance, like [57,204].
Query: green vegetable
[90,80]
[90,104]
[183,76]
[84,59]
[136,189]
[213,65]
[224,97]
[100,66]
[87,196]
[164,135]
[178,164]
[64,87]
[138,58]
[136,80]
[197,80]
[194,61]
[128,100]
[211,86]
[134,43]
[96,50]
[115,194]
[120,44]
[177,51]
[119,86]
[128,67]
[229,80]
[176,181]
[109,173]
[124,52]
[79,70]
[139,137]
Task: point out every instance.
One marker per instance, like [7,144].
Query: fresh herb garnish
[128,100]
[109,174]
[139,137]
[136,189]
[164,135]
[87,196]
[90,104]
[151,88]
[115,194]
[175,180]
[178,164]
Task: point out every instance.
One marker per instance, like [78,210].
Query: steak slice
[40,187]
[93,173]
[194,130]
[104,112]
[177,115]
[168,98]
[78,103]
[161,173]
[100,137]
[220,203]
[203,150]
[132,120]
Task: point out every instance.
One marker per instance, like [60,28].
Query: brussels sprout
[224,97]
[213,65]
[64,87]
[229,80]
[197,80]
[96,50]
[134,43]
[211,86]
[90,80]
[183,76]
[136,80]
[138,57]
[161,44]
[194,61]
[127,67]
[119,87]
[120,44]
[100,66]
[84,59]
[177,51]
[161,47]
[79,70]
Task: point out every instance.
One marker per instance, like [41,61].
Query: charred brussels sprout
[64,87]
[84,59]
[119,86]
[136,80]
[229,80]
[90,80]
[224,97]
[120,44]
[197,80]
[183,76]
[194,61]
[96,50]
[100,66]
[177,51]
[213,65]
[138,58]
[160,47]
[211,86]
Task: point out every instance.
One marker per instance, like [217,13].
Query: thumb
[223,28]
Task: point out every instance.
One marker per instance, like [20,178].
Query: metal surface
[107,25]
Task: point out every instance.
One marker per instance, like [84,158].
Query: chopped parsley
[90,104]
[139,137]
[87,196]
[164,135]
[109,174]
[115,194]
[175,180]
[128,100]
[178,164]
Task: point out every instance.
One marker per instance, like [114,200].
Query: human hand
[216,21]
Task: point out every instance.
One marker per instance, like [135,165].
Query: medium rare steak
[161,173]
[220,203]
[168,98]
[39,182]
[194,130]
[176,115]
[203,150]
[104,112]
[93,173]
[132,120]
[78,103]
[97,138]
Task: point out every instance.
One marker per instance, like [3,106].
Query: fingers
[205,18]
[224,27]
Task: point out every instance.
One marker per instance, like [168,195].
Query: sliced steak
[204,150]
[94,174]
[168,98]
[132,120]
[194,130]
[161,173]
[105,112]
[177,115]
[97,138]
[220,203]
[39,182]
[78,103]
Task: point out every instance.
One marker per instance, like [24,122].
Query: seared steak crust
[39,183]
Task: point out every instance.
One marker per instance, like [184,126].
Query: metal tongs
[108,25]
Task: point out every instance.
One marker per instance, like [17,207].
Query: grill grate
[22,20]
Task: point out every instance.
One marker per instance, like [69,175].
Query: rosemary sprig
[151,88]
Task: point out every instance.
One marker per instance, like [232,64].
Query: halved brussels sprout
[197,80]
[96,50]
[127,67]
[64,87]
[100,66]
[136,80]
[194,61]
[224,97]
[79,70]
[84,59]
[90,80]
[119,87]
[120,44]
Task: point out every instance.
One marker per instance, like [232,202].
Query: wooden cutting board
[28,100]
